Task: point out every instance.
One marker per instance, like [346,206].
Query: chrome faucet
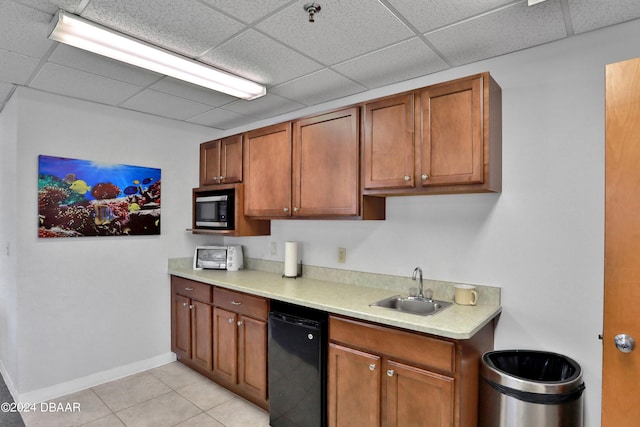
[417,271]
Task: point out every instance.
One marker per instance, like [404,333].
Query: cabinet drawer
[196,290]
[408,346]
[238,302]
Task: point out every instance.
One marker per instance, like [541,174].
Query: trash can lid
[531,371]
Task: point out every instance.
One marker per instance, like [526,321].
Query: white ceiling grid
[351,47]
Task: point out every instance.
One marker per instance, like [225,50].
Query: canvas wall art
[87,198]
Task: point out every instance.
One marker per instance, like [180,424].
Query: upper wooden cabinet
[445,138]
[326,164]
[221,161]
[267,167]
[306,169]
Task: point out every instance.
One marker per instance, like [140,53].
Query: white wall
[541,239]
[8,242]
[91,308]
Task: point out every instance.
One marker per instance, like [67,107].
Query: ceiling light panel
[83,34]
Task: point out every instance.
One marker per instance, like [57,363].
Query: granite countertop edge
[455,322]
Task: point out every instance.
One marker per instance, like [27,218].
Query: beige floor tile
[202,420]
[83,407]
[176,375]
[163,411]
[206,394]
[130,391]
[238,412]
[108,421]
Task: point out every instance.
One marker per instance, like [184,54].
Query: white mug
[466,295]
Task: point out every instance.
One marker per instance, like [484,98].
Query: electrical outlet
[274,248]
[342,255]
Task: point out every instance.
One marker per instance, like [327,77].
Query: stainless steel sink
[413,305]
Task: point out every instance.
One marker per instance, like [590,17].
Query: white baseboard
[8,380]
[92,380]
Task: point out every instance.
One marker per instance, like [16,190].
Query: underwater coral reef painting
[84,198]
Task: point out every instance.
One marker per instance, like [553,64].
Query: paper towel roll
[290,259]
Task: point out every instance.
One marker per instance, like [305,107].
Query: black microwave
[215,210]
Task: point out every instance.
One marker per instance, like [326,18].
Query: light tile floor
[170,395]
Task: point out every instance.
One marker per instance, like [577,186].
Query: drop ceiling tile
[162,104]
[16,68]
[96,64]
[404,61]
[267,106]
[321,86]
[79,84]
[23,29]
[587,15]
[506,30]
[43,6]
[192,92]
[430,15]
[184,26]
[342,29]
[72,6]
[261,59]
[248,11]
[222,119]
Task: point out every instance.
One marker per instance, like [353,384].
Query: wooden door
[252,354]
[267,168]
[225,345]
[231,159]
[621,371]
[210,163]
[201,326]
[353,388]
[326,162]
[450,140]
[181,326]
[417,397]
[388,143]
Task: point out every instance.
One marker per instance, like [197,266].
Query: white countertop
[455,321]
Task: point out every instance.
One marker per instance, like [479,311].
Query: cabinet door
[326,164]
[181,326]
[388,143]
[451,137]
[225,345]
[416,396]
[201,327]
[252,363]
[231,159]
[267,167]
[210,163]
[353,388]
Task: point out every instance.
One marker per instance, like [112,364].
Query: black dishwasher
[297,366]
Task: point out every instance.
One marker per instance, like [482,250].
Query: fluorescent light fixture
[78,32]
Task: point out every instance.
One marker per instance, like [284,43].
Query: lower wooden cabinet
[223,335]
[382,376]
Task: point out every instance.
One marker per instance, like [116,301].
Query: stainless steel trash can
[527,388]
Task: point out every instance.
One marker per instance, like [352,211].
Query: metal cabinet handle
[221,178]
[390,372]
[296,209]
[236,302]
[230,320]
[625,343]
[372,367]
[424,176]
[184,304]
[240,323]
[191,307]
[407,178]
[188,289]
[286,209]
